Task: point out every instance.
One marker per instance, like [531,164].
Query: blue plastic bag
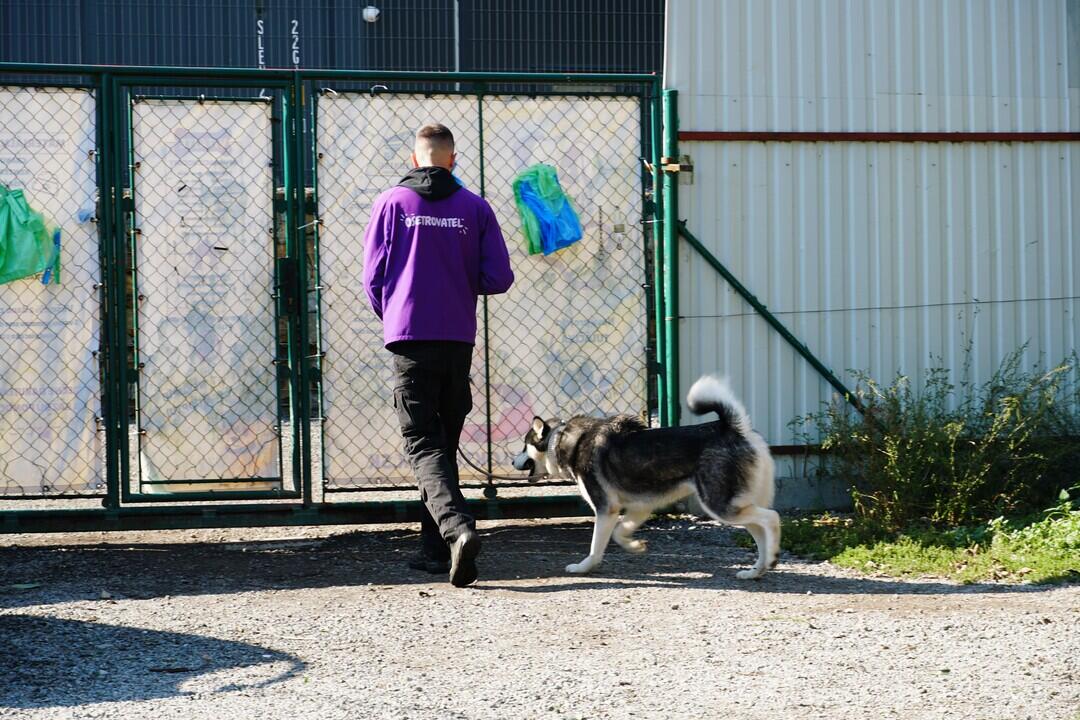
[548,218]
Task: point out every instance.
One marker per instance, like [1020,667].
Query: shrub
[951,454]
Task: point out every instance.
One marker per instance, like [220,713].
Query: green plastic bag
[547,217]
[27,246]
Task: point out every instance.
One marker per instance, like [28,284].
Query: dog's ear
[539,427]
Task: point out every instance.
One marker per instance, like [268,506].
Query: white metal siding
[882,257]
[872,65]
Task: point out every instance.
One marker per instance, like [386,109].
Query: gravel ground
[328,623]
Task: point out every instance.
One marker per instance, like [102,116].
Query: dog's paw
[579,568]
[751,574]
[636,547]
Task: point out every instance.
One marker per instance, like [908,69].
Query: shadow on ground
[526,558]
[50,662]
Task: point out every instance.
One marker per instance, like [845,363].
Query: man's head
[434,147]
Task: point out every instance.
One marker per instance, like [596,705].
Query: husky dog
[623,467]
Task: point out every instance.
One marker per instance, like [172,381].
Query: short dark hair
[437,134]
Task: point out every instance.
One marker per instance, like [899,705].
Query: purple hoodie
[430,248]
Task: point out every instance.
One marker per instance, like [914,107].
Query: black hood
[430,183]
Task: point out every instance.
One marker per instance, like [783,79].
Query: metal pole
[489,491]
[457,41]
[656,132]
[205,76]
[123,124]
[671,258]
[113,330]
[302,377]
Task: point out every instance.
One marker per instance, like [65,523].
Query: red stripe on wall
[906,137]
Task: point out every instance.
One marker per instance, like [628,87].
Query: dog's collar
[553,441]
[553,436]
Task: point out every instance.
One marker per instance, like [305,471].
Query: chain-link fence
[571,335]
[207,409]
[210,338]
[363,147]
[51,439]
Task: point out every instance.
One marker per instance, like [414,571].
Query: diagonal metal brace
[764,312]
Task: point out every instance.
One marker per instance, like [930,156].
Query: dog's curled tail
[712,394]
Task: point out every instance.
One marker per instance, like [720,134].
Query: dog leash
[493,476]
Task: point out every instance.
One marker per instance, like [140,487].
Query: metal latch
[671,165]
[684,166]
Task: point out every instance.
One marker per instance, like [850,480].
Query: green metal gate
[210,341]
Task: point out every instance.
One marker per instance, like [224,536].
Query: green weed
[1039,549]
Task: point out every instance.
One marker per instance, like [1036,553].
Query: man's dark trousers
[432,397]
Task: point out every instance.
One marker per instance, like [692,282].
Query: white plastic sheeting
[364,144]
[49,334]
[205,265]
[570,335]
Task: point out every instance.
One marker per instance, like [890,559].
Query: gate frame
[107,83]
[124,127]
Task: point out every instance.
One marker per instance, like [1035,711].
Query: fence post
[656,135]
[112,325]
[120,163]
[671,258]
[301,379]
[490,491]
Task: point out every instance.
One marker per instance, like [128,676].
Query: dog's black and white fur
[623,467]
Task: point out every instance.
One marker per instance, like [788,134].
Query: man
[430,249]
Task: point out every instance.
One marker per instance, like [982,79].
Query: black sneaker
[427,564]
[463,554]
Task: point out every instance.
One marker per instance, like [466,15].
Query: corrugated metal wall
[882,257]
[874,65]
[508,35]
